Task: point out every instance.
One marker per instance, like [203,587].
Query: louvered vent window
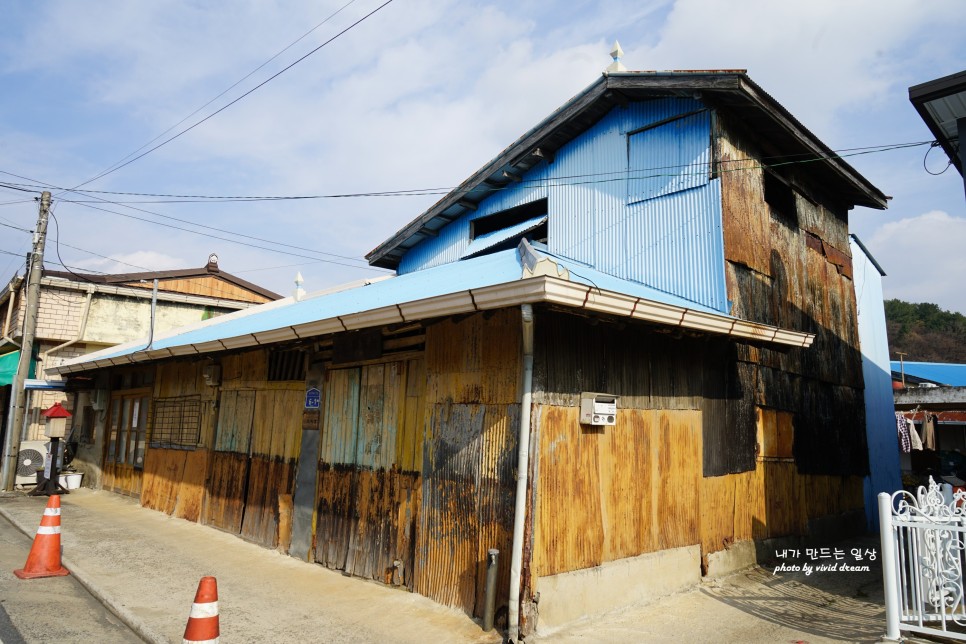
[505,229]
[286,365]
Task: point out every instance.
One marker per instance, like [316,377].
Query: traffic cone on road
[44,557]
[203,620]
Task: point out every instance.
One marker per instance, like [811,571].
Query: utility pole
[35,268]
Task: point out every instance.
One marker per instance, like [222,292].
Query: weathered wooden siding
[368,485]
[174,479]
[210,286]
[794,270]
[255,448]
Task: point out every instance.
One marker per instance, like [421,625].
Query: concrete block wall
[60,313]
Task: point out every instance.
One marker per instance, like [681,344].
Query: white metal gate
[923,543]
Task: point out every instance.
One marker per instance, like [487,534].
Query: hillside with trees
[925,332]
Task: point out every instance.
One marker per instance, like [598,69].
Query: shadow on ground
[833,604]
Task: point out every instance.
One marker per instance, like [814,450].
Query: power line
[225,107]
[418,192]
[185,221]
[232,241]
[228,89]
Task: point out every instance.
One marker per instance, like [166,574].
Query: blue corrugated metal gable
[658,224]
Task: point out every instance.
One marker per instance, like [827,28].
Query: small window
[781,198]
[507,218]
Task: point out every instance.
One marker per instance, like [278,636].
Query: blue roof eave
[506,278]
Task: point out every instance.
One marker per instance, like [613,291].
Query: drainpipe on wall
[523,467]
[11,288]
[80,333]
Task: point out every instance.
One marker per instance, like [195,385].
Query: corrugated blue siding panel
[880,422]
[668,158]
[672,242]
[453,240]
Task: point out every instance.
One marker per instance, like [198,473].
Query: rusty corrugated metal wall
[417,461]
[473,379]
[642,485]
[793,269]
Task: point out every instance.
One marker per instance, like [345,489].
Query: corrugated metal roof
[941,373]
[490,240]
[735,92]
[505,278]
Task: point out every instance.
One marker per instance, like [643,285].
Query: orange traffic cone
[44,557]
[203,620]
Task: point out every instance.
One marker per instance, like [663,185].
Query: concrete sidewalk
[145,567]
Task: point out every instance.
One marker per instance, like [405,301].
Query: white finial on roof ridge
[299,291]
[616,53]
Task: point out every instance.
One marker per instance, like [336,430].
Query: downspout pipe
[523,468]
[11,296]
[80,334]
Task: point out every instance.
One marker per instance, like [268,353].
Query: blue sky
[419,96]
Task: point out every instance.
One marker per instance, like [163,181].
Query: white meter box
[598,409]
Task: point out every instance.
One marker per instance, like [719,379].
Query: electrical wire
[622,177]
[232,102]
[935,144]
[228,89]
[617,175]
[185,221]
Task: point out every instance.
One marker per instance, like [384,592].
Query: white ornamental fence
[923,548]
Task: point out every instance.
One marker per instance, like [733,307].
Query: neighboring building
[673,246]
[880,420]
[82,313]
[942,105]
[933,390]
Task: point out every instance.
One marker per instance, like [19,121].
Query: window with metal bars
[176,422]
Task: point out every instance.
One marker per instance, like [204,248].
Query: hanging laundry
[905,441]
[929,431]
[914,436]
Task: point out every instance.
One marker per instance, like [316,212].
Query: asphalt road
[54,609]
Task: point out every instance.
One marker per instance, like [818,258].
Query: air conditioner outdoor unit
[30,458]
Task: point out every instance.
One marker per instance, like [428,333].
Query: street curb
[126,616]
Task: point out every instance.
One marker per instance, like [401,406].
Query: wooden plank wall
[473,369]
[369,476]
[255,449]
[174,479]
[795,272]
[210,286]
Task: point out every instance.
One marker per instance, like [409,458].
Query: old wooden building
[674,243]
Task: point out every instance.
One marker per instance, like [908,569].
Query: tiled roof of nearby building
[144,279]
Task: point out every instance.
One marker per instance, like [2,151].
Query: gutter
[523,469]
[541,288]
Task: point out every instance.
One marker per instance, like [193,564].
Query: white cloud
[420,95]
[924,259]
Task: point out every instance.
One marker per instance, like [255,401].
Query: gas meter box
[599,410]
